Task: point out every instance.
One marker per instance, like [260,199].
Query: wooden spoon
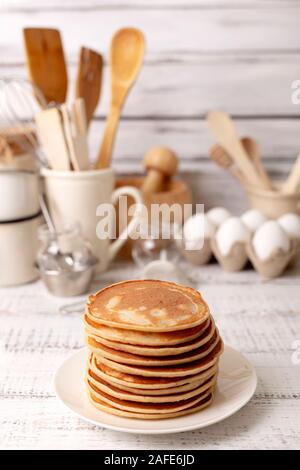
[252,149]
[46,62]
[224,131]
[126,57]
[89,80]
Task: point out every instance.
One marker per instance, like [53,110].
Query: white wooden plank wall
[239,56]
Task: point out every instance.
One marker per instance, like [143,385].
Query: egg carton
[270,245]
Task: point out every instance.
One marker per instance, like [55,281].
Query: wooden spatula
[89,80]
[126,57]
[224,131]
[52,137]
[46,62]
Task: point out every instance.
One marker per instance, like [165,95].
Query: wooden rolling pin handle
[154,181]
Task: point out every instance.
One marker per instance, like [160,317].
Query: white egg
[290,224]
[218,215]
[268,238]
[253,219]
[198,227]
[231,231]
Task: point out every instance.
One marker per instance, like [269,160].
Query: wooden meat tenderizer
[161,163]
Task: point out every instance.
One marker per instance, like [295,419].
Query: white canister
[19,194]
[18,251]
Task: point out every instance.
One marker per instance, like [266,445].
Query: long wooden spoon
[126,57]
[89,80]
[224,131]
[46,62]
[252,149]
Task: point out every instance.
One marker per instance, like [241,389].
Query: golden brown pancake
[181,348]
[138,407]
[181,370]
[160,392]
[128,358]
[112,390]
[101,405]
[148,305]
[154,350]
[142,337]
[147,384]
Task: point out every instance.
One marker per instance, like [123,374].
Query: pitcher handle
[115,246]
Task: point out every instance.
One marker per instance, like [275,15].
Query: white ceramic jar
[19,194]
[18,251]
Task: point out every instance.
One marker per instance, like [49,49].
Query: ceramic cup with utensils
[73,196]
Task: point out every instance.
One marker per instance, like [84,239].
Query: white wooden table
[262,320]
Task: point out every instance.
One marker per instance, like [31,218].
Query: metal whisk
[20,100]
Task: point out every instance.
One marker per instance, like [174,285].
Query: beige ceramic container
[273,204]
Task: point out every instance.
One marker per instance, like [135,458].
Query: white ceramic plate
[236,385]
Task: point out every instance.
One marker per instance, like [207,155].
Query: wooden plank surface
[279,139]
[29,5]
[262,320]
[178,30]
[239,57]
[189,86]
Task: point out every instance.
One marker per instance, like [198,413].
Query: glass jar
[65,260]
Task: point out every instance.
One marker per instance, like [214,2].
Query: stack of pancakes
[154,350]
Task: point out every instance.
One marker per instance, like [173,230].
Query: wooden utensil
[52,137]
[292,184]
[126,57]
[75,134]
[224,160]
[253,151]
[224,131]
[80,128]
[89,80]
[46,62]
[79,114]
[67,126]
[161,163]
